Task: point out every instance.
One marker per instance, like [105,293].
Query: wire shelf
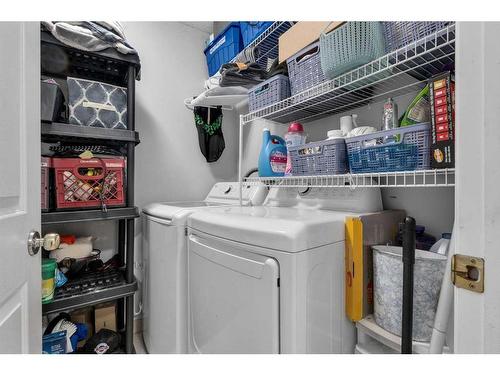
[397,73]
[418,178]
[267,42]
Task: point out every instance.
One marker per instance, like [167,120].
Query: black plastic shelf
[89,215]
[108,65]
[54,132]
[104,288]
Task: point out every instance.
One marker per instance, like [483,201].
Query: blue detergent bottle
[272,159]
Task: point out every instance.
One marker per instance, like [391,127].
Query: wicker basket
[350,46]
[407,150]
[327,157]
[304,69]
[269,92]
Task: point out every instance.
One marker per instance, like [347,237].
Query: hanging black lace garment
[208,123]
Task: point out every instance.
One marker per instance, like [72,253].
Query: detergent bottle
[272,159]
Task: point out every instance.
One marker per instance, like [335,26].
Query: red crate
[45,187]
[89,183]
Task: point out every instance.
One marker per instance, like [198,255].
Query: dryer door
[233,299]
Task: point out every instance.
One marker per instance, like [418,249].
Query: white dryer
[165,263]
[270,279]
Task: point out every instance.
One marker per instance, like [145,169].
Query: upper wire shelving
[396,73]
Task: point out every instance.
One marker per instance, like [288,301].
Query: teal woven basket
[350,46]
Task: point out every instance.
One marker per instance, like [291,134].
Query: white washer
[165,264]
[270,279]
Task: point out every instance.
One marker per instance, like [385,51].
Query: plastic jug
[272,158]
[294,137]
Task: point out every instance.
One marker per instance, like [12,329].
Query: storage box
[442,103]
[89,183]
[105,317]
[224,47]
[301,35]
[361,233]
[252,29]
[52,100]
[304,69]
[84,316]
[97,104]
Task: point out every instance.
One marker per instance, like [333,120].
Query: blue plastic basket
[252,29]
[401,149]
[328,157]
[224,47]
[304,69]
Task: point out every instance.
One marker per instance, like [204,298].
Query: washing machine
[165,263]
[270,279]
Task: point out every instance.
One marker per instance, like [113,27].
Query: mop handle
[408,263]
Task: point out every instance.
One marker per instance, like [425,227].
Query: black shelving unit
[61,61]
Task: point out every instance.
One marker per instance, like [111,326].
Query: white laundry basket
[388,288]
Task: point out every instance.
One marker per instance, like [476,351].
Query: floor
[139,344]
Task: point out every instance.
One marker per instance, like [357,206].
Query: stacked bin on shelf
[224,47]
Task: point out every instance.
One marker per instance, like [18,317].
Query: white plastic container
[388,288]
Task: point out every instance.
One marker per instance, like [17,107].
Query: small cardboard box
[363,232]
[105,317]
[84,316]
[301,35]
[442,103]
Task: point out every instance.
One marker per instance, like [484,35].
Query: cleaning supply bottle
[272,159]
[294,137]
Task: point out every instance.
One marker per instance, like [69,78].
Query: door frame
[477,201]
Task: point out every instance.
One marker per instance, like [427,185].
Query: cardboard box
[363,232]
[301,35]
[105,317]
[84,316]
[442,101]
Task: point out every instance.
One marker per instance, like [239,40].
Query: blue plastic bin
[252,29]
[224,47]
[401,149]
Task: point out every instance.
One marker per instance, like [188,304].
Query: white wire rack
[267,42]
[419,178]
[396,73]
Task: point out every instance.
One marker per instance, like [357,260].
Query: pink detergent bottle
[294,137]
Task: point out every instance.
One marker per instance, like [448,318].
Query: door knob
[49,242]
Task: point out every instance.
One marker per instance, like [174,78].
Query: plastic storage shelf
[54,132]
[89,215]
[90,290]
[396,73]
[59,60]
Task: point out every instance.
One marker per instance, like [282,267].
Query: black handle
[408,263]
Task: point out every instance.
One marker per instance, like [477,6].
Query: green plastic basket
[350,46]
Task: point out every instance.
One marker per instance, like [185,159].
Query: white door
[233,299]
[477,193]
[20,273]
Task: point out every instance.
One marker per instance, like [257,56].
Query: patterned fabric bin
[401,149]
[97,104]
[327,157]
[388,289]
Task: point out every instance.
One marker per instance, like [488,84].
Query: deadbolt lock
[468,272]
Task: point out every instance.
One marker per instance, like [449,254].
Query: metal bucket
[388,288]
